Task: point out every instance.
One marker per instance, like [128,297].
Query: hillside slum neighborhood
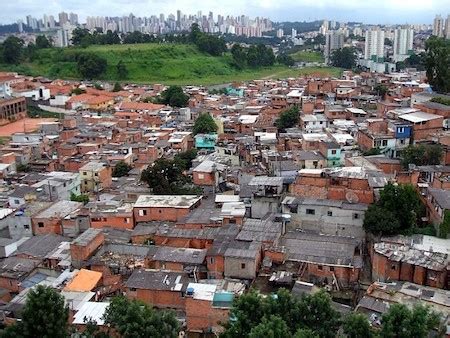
[278,208]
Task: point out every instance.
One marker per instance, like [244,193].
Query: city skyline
[381,12]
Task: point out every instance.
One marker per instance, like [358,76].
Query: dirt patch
[28,125]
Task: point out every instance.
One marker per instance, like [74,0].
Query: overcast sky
[368,11]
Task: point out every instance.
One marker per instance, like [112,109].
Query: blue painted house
[205,141]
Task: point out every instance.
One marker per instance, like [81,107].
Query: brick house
[85,245]
[424,125]
[50,220]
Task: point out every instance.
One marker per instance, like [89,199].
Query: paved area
[29,125]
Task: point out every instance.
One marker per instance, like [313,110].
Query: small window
[232,221]
[160,211]
[26,226]
[333,152]
[310,211]
[385,143]
[16,202]
[331,268]
[320,267]
[330,213]
[40,224]
[242,265]
[201,176]
[211,260]
[355,216]
[96,174]
[126,220]
[132,289]
[393,267]
[84,173]
[142,212]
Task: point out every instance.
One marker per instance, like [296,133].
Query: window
[142,212]
[16,202]
[400,130]
[310,211]
[132,289]
[384,143]
[40,224]
[355,216]
[126,220]
[96,174]
[201,176]
[393,267]
[293,209]
[333,151]
[330,213]
[232,221]
[331,268]
[26,226]
[242,265]
[319,267]
[160,211]
[84,173]
[402,141]
[211,260]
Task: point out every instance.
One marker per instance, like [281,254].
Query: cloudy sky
[368,11]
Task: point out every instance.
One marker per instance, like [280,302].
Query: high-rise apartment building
[447,27]
[333,40]
[374,46]
[403,43]
[63,18]
[438,26]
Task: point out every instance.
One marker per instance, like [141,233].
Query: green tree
[12,49]
[306,333]
[288,118]
[121,169]
[239,56]
[135,319]
[272,327]
[185,158]
[285,59]
[117,87]
[44,315]
[397,211]
[356,325]
[121,70]
[204,124]
[42,42]
[79,198]
[91,66]
[444,227]
[401,322]
[195,33]
[78,91]
[175,97]
[81,37]
[437,63]
[381,90]
[422,154]
[344,58]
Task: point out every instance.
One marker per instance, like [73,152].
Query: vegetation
[174,97]
[117,87]
[78,91]
[121,169]
[356,325]
[441,100]
[204,124]
[437,64]
[381,90]
[371,152]
[166,177]
[132,318]
[397,211]
[43,42]
[414,61]
[79,198]
[344,58]
[284,314]
[255,56]
[288,118]
[37,112]
[12,49]
[444,227]
[207,43]
[184,159]
[307,56]
[91,66]
[285,59]
[422,154]
[44,315]
[23,168]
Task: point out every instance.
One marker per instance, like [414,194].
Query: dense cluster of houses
[279,208]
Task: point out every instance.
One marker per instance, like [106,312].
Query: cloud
[380,11]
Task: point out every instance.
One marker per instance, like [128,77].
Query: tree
[380,221]
[166,177]
[444,227]
[12,49]
[42,42]
[437,63]
[91,66]
[78,91]
[195,33]
[272,327]
[288,118]
[121,169]
[381,90]
[401,322]
[175,97]
[204,124]
[121,70]
[422,154]
[305,333]
[285,59]
[357,326]
[239,56]
[344,58]
[397,211]
[441,100]
[79,198]
[132,318]
[117,87]
[44,315]
[184,159]
[81,37]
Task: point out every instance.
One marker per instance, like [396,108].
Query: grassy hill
[152,63]
[308,56]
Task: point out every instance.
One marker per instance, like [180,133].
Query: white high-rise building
[438,26]
[447,27]
[374,46]
[333,40]
[403,43]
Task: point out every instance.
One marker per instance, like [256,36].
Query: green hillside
[307,56]
[152,63]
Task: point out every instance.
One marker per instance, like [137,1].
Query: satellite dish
[351,197]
